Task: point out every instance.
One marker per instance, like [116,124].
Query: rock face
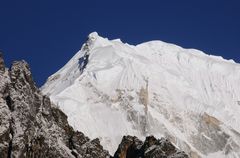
[30,126]
[132,147]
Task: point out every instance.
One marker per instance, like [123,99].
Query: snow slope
[110,89]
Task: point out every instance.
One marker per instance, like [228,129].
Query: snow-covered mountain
[110,89]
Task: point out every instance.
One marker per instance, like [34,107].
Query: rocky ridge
[31,126]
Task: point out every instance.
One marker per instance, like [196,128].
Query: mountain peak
[94,35]
[93,40]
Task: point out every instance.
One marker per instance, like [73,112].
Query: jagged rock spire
[21,75]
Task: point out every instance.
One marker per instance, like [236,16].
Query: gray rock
[31,126]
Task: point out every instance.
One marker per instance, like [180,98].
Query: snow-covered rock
[110,89]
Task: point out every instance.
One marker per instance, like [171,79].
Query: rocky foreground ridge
[31,126]
[132,147]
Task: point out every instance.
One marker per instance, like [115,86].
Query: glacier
[110,89]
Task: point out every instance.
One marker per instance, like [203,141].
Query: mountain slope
[154,88]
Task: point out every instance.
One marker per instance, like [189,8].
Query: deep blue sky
[47,33]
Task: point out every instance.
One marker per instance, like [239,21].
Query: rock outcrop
[132,147]
[31,126]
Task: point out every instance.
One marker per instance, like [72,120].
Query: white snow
[103,100]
